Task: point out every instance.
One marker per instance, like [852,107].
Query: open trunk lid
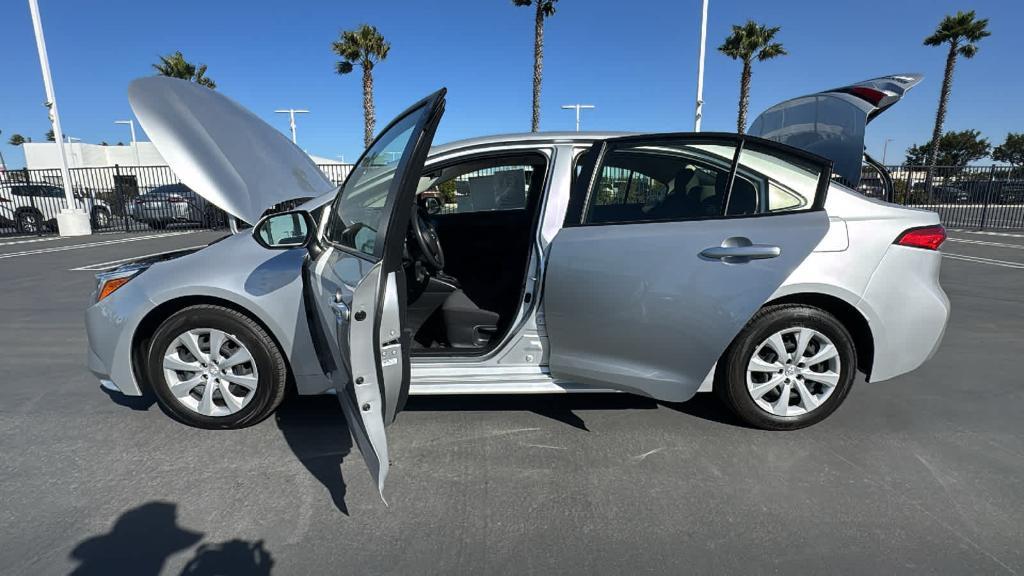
[222,151]
[831,123]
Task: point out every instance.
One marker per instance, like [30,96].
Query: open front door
[671,243]
[357,291]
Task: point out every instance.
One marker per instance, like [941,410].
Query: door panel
[359,285]
[636,307]
[671,244]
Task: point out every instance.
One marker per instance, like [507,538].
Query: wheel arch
[847,314]
[148,324]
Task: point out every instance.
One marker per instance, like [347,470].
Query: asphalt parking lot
[921,474]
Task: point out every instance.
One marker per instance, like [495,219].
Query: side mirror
[286,230]
[432,205]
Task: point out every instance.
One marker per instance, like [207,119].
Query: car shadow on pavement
[564,408]
[561,408]
[143,538]
[316,431]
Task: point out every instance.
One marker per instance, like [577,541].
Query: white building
[43,155]
[139,166]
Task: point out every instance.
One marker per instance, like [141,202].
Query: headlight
[108,282]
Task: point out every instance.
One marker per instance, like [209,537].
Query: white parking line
[1006,234]
[13,240]
[101,266]
[984,243]
[92,244]
[989,261]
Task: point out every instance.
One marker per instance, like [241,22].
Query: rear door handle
[737,249]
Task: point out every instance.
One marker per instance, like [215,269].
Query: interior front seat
[679,203]
[466,324]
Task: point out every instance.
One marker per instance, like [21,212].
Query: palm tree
[17,140]
[544,9]
[747,42]
[175,66]
[364,46]
[962,33]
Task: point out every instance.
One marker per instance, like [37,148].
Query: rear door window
[695,177]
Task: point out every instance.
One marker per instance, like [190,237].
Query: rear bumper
[906,309]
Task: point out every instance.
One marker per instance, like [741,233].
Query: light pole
[3,165]
[885,148]
[700,66]
[291,112]
[135,144]
[71,221]
[578,107]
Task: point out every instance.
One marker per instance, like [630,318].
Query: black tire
[100,218]
[29,222]
[731,377]
[157,225]
[270,388]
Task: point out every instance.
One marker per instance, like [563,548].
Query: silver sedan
[658,264]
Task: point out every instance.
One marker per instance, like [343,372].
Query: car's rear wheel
[29,222]
[790,367]
[213,367]
[100,218]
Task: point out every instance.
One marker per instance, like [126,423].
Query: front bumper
[109,326]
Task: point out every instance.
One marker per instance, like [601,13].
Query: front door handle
[737,250]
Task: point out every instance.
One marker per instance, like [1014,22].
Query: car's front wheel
[790,367]
[213,367]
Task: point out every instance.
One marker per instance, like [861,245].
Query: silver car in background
[657,264]
[170,204]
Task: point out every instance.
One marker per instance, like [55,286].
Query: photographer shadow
[143,538]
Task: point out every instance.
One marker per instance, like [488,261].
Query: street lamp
[885,148]
[699,113]
[70,221]
[135,144]
[577,107]
[291,112]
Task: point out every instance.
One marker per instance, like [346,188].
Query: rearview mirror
[285,230]
[432,205]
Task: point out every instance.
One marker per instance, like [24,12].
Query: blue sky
[636,61]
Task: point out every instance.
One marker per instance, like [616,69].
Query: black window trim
[593,157]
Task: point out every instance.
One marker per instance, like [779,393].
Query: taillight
[927,237]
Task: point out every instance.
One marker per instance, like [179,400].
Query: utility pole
[135,144]
[578,107]
[71,221]
[700,66]
[885,148]
[291,112]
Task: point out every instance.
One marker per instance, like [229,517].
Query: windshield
[362,208]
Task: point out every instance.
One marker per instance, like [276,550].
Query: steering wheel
[426,238]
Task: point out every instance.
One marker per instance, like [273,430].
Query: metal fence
[138,198]
[117,198]
[974,197]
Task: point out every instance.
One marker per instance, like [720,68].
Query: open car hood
[221,150]
[832,123]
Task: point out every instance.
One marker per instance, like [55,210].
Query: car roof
[585,138]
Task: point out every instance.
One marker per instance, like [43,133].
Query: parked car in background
[173,203]
[1010,192]
[31,207]
[950,194]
